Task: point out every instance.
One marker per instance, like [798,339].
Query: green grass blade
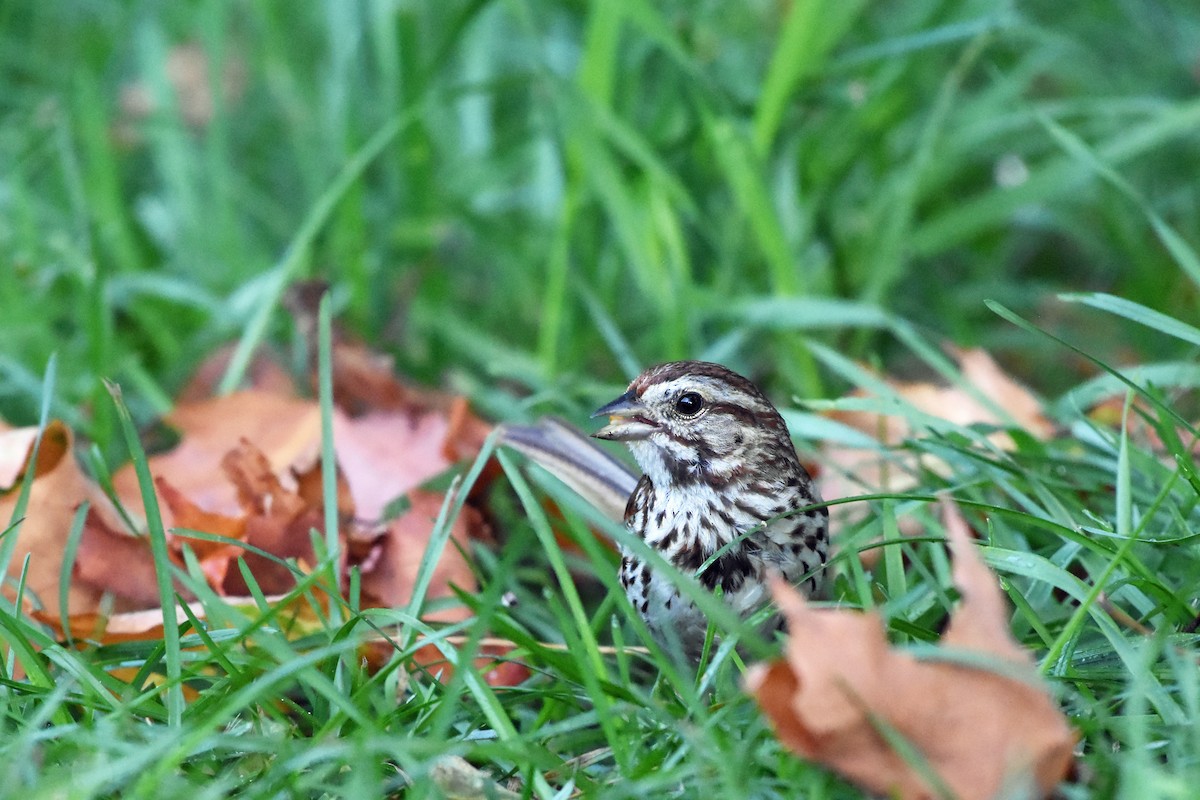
[157,535]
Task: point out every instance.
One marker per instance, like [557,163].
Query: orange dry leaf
[286,430]
[213,556]
[247,469]
[250,462]
[390,566]
[978,730]
[265,514]
[279,519]
[58,489]
[848,471]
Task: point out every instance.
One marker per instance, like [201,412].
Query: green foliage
[548,195]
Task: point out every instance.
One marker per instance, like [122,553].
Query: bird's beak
[627,420]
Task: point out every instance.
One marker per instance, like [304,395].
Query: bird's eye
[689,404]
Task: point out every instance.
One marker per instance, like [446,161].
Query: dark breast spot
[729,571]
[691,556]
[747,509]
[668,539]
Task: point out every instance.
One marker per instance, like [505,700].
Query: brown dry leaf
[264,374]
[115,560]
[978,730]
[247,468]
[286,430]
[389,569]
[250,461]
[267,515]
[147,625]
[278,520]
[214,557]
[849,471]
[57,490]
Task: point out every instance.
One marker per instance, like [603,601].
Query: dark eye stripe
[733,410]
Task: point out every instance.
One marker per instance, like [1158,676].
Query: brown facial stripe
[640,501]
[679,369]
[751,417]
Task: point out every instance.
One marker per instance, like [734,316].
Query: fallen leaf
[389,571]
[278,521]
[214,557]
[286,430]
[848,471]
[16,445]
[268,515]
[979,730]
[113,559]
[56,492]
[264,374]
[247,468]
[250,462]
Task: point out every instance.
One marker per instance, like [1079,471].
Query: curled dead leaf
[278,520]
[391,561]
[978,730]
[59,486]
[247,468]
[286,430]
[112,559]
[16,449]
[214,557]
[848,471]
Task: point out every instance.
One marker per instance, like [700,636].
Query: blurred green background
[528,201]
[539,195]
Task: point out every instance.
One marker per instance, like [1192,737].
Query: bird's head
[693,420]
